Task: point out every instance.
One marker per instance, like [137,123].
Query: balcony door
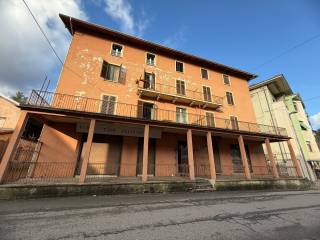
[181,115]
[149,81]
[146,110]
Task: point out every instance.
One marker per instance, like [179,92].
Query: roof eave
[73,24]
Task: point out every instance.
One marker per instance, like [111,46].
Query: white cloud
[121,10]
[315,121]
[176,39]
[25,55]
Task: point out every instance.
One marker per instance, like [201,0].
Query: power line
[287,51]
[44,34]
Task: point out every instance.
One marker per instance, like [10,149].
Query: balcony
[59,101]
[169,93]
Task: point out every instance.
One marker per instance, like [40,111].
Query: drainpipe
[272,120]
[300,148]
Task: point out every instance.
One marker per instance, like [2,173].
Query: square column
[294,159]
[211,157]
[84,166]
[145,153]
[13,143]
[244,158]
[271,158]
[190,155]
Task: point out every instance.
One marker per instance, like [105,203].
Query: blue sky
[243,34]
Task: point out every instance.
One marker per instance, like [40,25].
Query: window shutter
[104,70]
[140,109]
[122,75]
[111,105]
[208,94]
[178,87]
[183,88]
[104,104]
[205,93]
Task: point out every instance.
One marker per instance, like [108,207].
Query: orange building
[126,107]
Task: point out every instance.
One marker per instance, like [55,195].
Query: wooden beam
[244,158]
[87,150]
[13,143]
[145,153]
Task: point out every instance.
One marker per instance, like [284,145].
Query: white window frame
[237,122]
[207,73]
[228,78]
[210,92]
[185,87]
[111,50]
[183,66]
[182,107]
[214,118]
[115,105]
[234,102]
[155,59]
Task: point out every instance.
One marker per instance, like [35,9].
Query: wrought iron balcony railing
[161,91]
[110,108]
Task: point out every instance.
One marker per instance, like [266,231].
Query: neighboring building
[127,107]
[9,114]
[275,104]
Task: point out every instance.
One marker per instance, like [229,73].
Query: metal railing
[185,93]
[91,105]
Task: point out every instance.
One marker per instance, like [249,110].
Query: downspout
[272,120]
[299,145]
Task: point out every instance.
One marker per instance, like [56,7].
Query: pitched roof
[9,100]
[278,85]
[74,24]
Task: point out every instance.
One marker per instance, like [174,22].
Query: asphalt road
[219,215]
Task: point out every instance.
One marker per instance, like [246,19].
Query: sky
[243,34]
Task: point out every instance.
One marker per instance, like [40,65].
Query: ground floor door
[151,157]
[216,154]
[236,158]
[105,155]
[182,157]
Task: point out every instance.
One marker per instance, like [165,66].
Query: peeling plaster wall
[81,76]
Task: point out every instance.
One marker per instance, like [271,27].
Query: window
[226,79]
[295,106]
[149,81]
[303,126]
[146,110]
[179,66]
[151,59]
[113,73]
[230,98]
[108,104]
[116,50]
[2,121]
[206,94]
[210,119]
[309,146]
[181,88]
[204,73]
[181,115]
[234,123]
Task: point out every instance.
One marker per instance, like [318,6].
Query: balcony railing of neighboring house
[179,95]
[83,104]
[285,166]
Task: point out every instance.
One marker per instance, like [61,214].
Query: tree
[19,97]
[317,135]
